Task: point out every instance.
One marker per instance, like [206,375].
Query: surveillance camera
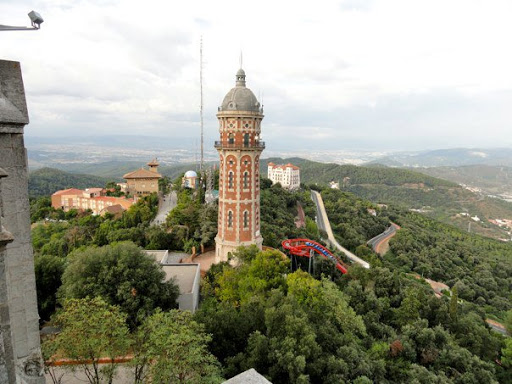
[36,19]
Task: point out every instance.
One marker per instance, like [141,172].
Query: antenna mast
[201,164]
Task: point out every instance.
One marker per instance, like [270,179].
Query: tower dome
[240,98]
[190,174]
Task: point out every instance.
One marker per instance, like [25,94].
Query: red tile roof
[142,174]
[69,191]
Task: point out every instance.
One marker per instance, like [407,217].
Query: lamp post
[35,20]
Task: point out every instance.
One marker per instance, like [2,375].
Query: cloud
[394,73]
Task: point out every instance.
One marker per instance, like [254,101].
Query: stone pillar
[17,256]
[7,373]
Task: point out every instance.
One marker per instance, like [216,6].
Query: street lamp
[35,20]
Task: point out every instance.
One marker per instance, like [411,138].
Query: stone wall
[18,262]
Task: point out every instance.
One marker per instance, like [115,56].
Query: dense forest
[378,325]
[375,325]
[45,181]
[440,199]
[492,179]
[480,268]
[323,173]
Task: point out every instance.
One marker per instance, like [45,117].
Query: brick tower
[239,149]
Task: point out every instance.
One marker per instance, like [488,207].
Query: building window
[246,140]
[231,177]
[246,219]
[246,179]
[230,219]
[231,139]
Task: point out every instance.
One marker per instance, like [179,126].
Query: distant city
[44,153]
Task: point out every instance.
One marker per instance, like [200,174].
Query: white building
[287,175]
[190,180]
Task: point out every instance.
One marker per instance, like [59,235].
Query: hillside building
[190,180]
[287,175]
[239,148]
[143,182]
[91,198]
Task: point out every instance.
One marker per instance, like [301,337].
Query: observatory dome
[240,98]
[190,174]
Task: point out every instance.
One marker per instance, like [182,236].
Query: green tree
[208,224]
[508,322]
[91,329]
[123,275]
[176,347]
[40,208]
[454,305]
[48,271]
[506,357]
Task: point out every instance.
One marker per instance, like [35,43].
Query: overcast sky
[377,75]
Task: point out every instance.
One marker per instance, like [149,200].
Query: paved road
[323,223]
[378,241]
[166,204]
[496,326]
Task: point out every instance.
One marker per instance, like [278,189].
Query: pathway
[165,205]
[380,243]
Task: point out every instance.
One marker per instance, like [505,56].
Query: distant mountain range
[449,157]
[490,179]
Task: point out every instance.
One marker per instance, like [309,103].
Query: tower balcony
[258,145]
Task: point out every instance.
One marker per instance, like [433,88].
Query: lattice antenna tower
[209,185]
[201,164]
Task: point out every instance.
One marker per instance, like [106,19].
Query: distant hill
[440,199]
[491,179]
[110,169]
[450,157]
[46,181]
[375,174]
[116,169]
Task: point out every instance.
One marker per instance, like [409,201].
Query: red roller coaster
[304,248]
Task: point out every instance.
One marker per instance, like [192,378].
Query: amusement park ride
[307,248]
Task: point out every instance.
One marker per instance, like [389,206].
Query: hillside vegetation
[494,180]
[45,181]
[116,169]
[323,173]
[440,199]
[378,325]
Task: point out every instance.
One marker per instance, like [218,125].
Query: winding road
[379,242]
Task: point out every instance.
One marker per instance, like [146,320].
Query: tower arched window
[231,138]
[246,180]
[230,219]
[231,181]
[246,219]
[246,139]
